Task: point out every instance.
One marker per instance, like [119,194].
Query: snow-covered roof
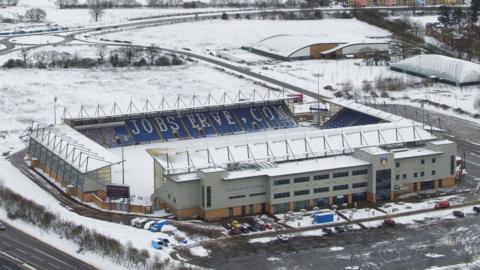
[416,152]
[294,144]
[445,68]
[73,147]
[286,45]
[351,104]
[304,166]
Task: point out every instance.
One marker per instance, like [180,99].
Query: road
[28,250]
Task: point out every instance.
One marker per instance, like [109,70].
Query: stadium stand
[183,124]
[347,118]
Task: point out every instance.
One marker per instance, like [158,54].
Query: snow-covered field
[81,17]
[23,100]
[44,39]
[139,238]
[220,34]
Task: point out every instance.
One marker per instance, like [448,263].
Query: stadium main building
[248,157]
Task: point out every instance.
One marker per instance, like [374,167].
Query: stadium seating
[170,127]
[142,130]
[218,121]
[347,117]
[251,118]
[198,124]
[278,116]
[224,121]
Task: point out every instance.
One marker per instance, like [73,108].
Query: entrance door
[383,181]
[243,210]
[230,212]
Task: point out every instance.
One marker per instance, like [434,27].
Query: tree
[114,59]
[403,49]
[474,7]
[224,16]
[101,52]
[152,52]
[96,8]
[458,17]
[445,16]
[128,53]
[24,53]
[36,15]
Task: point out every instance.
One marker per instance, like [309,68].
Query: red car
[442,204]
[389,222]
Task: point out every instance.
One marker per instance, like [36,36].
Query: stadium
[239,156]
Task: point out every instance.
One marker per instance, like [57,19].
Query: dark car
[253,228]
[262,227]
[2,227]
[244,229]
[459,214]
[389,222]
[327,231]
[339,229]
[227,226]
[235,231]
[476,209]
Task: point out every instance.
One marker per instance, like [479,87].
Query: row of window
[243,196]
[318,177]
[422,162]
[415,175]
[317,190]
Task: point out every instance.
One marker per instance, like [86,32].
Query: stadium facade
[248,157]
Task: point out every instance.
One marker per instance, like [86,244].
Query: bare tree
[96,8]
[24,53]
[128,53]
[101,52]
[36,15]
[152,52]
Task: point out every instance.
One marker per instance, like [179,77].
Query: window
[301,192]
[340,187]
[281,182]
[357,185]
[320,190]
[422,174]
[321,177]
[257,194]
[236,197]
[203,196]
[422,161]
[404,176]
[340,174]
[397,177]
[281,195]
[434,160]
[434,172]
[360,172]
[209,197]
[397,164]
[452,165]
[301,179]
[415,175]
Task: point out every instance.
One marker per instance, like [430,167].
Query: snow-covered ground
[81,17]
[139,238]
[298,220]
[44,39]
[220,34]
[23,100]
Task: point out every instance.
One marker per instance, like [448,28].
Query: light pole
[318,75]
[120,140]
[54,111]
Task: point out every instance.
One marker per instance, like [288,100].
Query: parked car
[157,244]
[234,231]
[442,204]
[349,227]
[268,226]
[141,222]
[459,214]
[476,209]
[244,229]
[262,226]
[327,231]
[2,226]
[253,228]
[389,222]
[339,229]
[283,237]
[149,224]
[227,226]
[235,224]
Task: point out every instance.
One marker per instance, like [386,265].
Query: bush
[86,63]
[140,63]
[224,16]
[163,61]
[11,63]
[177,60]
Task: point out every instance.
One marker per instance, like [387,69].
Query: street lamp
[318,75]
